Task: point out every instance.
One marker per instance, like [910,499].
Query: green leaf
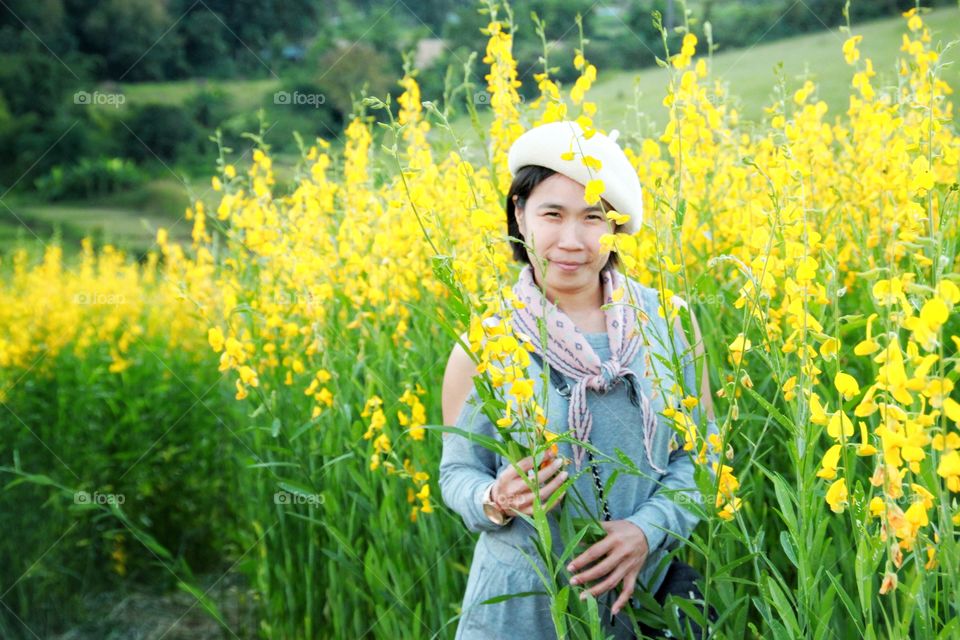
[209,605]
[484,441]
[785,501]
[784,421]
[848,603]
[782,605]
[788,548]
[510,596]
[296,488]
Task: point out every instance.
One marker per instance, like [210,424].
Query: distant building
[293,52]
[428,50]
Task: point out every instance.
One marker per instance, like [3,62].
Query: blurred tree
[134,39]
[344,70]
[207,51]
[159,132]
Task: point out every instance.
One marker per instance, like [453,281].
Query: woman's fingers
[609,583]
[629,583]
[526,464]
[547,490]
[525,500]
[513,491]
[549,470]
[600,569]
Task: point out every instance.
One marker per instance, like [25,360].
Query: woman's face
[565,231]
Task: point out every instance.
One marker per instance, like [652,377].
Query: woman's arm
[663,514]
[466,468]
[457,382]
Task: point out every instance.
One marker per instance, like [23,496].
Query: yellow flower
[948,292]
[670,266]
[829,348]
[850,52]
[593,191]
[846,385]
[837,496]
[729,509]
[818,413]
[522,390]
[592,163]
[840,422]
[865,448]
[949,469]
[829,464]
[921,178]
[738,347]
[618,218]
[868,346]
[952,410]
[507,419]
[248,376]
[215,338]
[325,396]
[382,443]
[867,405]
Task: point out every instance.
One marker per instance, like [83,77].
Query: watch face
[491,510]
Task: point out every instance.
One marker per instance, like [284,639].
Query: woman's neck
[584,304]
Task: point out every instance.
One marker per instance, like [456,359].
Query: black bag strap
[564,389]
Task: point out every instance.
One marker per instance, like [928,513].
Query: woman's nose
[570,235]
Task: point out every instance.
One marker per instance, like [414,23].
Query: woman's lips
[567,266]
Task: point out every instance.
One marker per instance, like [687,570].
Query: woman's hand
[511,492]
[619,557]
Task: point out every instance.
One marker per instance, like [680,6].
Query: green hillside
[751,72]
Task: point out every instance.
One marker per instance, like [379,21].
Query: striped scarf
[569,352]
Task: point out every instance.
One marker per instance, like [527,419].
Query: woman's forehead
[561,190]
[558,184]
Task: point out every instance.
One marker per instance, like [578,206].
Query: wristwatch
[491,509]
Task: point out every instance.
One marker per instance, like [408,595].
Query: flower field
[266,400]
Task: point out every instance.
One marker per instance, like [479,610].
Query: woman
[615,402]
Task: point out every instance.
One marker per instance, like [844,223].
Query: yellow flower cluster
[101,302]
[502,86]
[384,454]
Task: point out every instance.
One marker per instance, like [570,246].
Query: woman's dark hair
[524,182]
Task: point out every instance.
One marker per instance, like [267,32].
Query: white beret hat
[545,145]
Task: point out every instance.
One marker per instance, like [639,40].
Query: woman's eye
[595,217]
[552,213]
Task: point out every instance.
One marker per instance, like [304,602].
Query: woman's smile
[567,266]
